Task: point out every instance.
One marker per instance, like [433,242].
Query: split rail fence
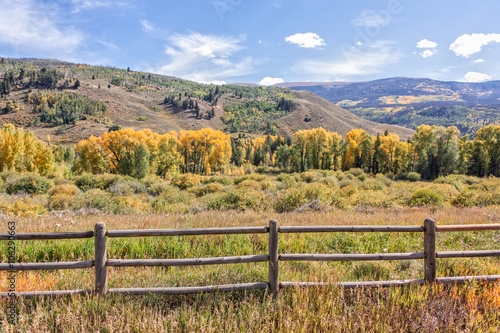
[100,262]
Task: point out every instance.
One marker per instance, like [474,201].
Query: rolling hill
[410,102]
[70,102]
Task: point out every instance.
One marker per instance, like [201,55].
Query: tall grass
[469,308]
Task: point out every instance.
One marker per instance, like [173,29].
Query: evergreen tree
[141,157]
[197,108]
[126,164]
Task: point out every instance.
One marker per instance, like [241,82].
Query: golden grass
[472,307]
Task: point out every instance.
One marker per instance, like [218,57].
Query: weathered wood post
[430,250]
[273,257]
[101,279]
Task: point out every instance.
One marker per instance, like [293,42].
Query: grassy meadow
[310,198]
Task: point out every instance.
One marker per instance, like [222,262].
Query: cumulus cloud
[205,58]
[270,81]
[370,18]
[467,45]
[476,77]
[426,44]
[371,59]
[478,60]
[31,26]
[428,53]
[307,40]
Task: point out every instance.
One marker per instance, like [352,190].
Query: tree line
[433,151]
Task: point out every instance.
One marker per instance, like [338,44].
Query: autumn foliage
[139,153]
[21,151]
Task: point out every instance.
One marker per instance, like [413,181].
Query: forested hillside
[70,102]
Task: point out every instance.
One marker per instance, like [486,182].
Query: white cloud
[80,5]
[147,26]
[478,60]
[270,81]
[216,82]
[466,45]
[370,18]
[33,27]
[428,53]
[426,44]
[371,59]
[205,58]
[476,77]
[307,40]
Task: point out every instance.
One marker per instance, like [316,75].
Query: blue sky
[259,41]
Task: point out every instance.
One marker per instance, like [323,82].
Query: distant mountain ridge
[411,102]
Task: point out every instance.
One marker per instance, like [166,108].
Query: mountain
[70,102]
[410,102]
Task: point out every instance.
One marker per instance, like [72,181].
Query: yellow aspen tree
[388,144]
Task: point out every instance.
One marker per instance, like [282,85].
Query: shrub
[256,177]
[25,207]
[107,180]
[7,174]
[108,203]
[28,184]
[207,189]
[62,181]
[158,188]
[376,184]
[186,180]
[61,201]
[172,197]
[236,199]
[283,177]
[219,179]
[466,198]
[331,181]
[362,177]
[86,181]
[249,185]
[425,197]
[67,189]
[311,176]
[289,200]
[127,187]
[413,176]
[356,172]
[261,169]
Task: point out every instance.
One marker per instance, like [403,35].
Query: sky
[263,41]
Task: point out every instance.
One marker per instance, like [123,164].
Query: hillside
[47,97]
[313,111]
[411,102]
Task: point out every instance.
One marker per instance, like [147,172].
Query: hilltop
[410,102]
[70,102]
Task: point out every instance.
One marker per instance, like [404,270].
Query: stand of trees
[433,151]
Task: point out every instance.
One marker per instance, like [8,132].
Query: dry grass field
[472,307]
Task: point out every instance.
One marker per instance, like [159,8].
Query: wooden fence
[100,262]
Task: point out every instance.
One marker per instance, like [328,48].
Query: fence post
[273,257]
[101,279]
[430,250]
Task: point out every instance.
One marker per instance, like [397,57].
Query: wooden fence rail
[100,262]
